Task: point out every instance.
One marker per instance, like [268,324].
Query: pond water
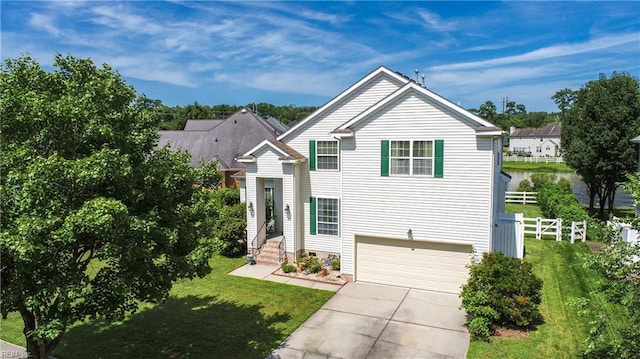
[578,187]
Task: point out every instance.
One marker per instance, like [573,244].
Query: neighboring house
[404,185]
[222,140]
[537,142]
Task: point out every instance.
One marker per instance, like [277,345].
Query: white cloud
[44,22]
[548,53]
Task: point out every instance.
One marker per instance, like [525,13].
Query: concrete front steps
[269,252]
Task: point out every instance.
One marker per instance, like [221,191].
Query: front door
[270,214]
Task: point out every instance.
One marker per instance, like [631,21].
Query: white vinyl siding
[456,207]
[327,155]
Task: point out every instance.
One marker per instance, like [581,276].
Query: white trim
[261,145]
[445,241]
[342,95]
[337,156]
[414,86]
[489,133]
[246,160]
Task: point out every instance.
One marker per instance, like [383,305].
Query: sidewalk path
[265,272]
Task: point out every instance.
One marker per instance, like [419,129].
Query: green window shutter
[439,159]
[312,215]
[312,155]
[384,158]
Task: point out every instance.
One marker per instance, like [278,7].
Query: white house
[404,185]
[537,142]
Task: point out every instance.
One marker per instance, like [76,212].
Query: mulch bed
[512,333]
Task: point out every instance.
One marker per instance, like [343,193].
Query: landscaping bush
[312,264]
[335,264]
[229,228]
[227,196]
[525,186]
[288,268]
[501,292]
[540,179]
[556,200]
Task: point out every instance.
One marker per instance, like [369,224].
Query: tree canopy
[599,121]
[175,118]
[83,185]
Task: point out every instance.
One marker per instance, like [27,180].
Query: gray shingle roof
[224,141]
[552,129]
[201,125]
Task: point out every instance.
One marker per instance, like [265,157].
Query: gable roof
[377,72]
[224,142]
[201,125]
[482,126]
[286,152]
[552,129]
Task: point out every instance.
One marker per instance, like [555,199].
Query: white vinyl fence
[532,159]
[511,228]
[578,231]
[627,233]
[543,227]
[521,197]
[509,236]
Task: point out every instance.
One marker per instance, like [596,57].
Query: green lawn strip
[537,167]
[564,331]
[218,316]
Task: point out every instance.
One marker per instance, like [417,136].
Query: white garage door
[415,264]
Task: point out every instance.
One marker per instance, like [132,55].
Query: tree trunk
[35,349]
[612,197]
[602,195]
[592,197]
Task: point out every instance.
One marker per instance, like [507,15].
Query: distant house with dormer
[537,142]
[223,140]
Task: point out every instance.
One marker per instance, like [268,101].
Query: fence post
[538,228]
[559,230]
[584,228]
[573,232]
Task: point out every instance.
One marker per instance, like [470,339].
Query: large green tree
[598,124]
[82,185]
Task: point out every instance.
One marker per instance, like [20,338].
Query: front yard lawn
[218,316]
[564,331]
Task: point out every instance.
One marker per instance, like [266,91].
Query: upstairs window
[412,158]
[324,155]
[327,155]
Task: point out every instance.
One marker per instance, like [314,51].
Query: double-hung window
[325,214]
[327,155]
[411,158]
[324,155]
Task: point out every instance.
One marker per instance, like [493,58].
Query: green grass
[564,331]
[218,316]
[528,210]
[537,167]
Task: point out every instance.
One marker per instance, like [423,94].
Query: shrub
[541,179]
[312,264]
[227,196]
[501,291]
[557,201]
[525,186]
[335,264]
[229,227]
[288,268]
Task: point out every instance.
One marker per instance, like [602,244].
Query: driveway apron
[374,321]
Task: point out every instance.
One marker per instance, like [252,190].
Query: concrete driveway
[375,321]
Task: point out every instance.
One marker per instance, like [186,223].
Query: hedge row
[557,201]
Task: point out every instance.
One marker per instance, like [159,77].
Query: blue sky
[305,53]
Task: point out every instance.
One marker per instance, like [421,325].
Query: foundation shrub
[501,292]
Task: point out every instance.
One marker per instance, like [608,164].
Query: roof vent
[244,110]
